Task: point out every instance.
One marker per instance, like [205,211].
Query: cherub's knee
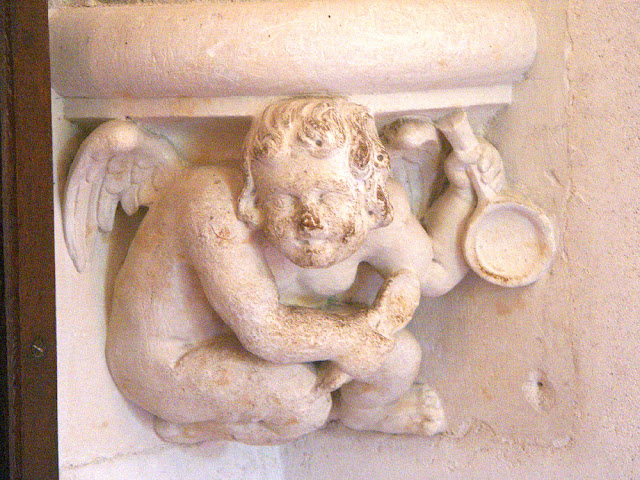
[406,356]
[296,398]
[394,378]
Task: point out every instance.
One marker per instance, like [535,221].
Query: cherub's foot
[417,412]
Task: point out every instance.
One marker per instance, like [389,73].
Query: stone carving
[416,151]
[508,240]
[232,314]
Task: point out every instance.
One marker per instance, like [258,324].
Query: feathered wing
[415,149]
[118,163]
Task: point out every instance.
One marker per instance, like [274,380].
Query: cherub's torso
[158,292]
[309,286]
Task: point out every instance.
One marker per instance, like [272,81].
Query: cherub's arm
[435,254]
[445,223]
[240,287]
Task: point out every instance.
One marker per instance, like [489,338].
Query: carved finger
[485,161]
[396,303]
[489,175]
[488,157]
[495,178]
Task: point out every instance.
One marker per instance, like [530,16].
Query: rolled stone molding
[255,49]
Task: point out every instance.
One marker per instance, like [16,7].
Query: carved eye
[382,159]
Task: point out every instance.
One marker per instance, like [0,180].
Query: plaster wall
[570,140]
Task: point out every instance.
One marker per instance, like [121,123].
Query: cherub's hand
[488,163]
[394,306]
[490,166]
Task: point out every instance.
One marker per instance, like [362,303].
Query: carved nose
[309,221]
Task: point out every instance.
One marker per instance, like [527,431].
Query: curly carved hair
[322,125]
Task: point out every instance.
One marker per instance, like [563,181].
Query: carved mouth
[315,238]
[314,253]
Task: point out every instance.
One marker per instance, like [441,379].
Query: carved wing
[118,162]
[415,149]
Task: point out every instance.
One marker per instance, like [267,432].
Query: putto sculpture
[232,315]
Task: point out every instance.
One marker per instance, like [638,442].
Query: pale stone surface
[209,461]
[228,58]
[603,226]
[206,313]
[223,49]
[586,326]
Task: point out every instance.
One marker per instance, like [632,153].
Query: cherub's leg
[252,433]
[389,401]
[221,391]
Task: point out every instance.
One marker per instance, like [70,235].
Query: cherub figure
[220,325]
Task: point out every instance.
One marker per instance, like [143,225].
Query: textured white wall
[603,229]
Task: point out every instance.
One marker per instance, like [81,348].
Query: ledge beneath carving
[230,59]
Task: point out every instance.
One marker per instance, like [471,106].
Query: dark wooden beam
[28,326]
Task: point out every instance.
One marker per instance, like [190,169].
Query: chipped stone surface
[583,333]
[197,334]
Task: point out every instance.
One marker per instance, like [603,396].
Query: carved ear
[247,204]
[381,208]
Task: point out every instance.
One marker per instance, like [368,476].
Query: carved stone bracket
[241,305]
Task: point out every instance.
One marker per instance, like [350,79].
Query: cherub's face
[312,210]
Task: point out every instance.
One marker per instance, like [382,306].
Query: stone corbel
[232,277]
